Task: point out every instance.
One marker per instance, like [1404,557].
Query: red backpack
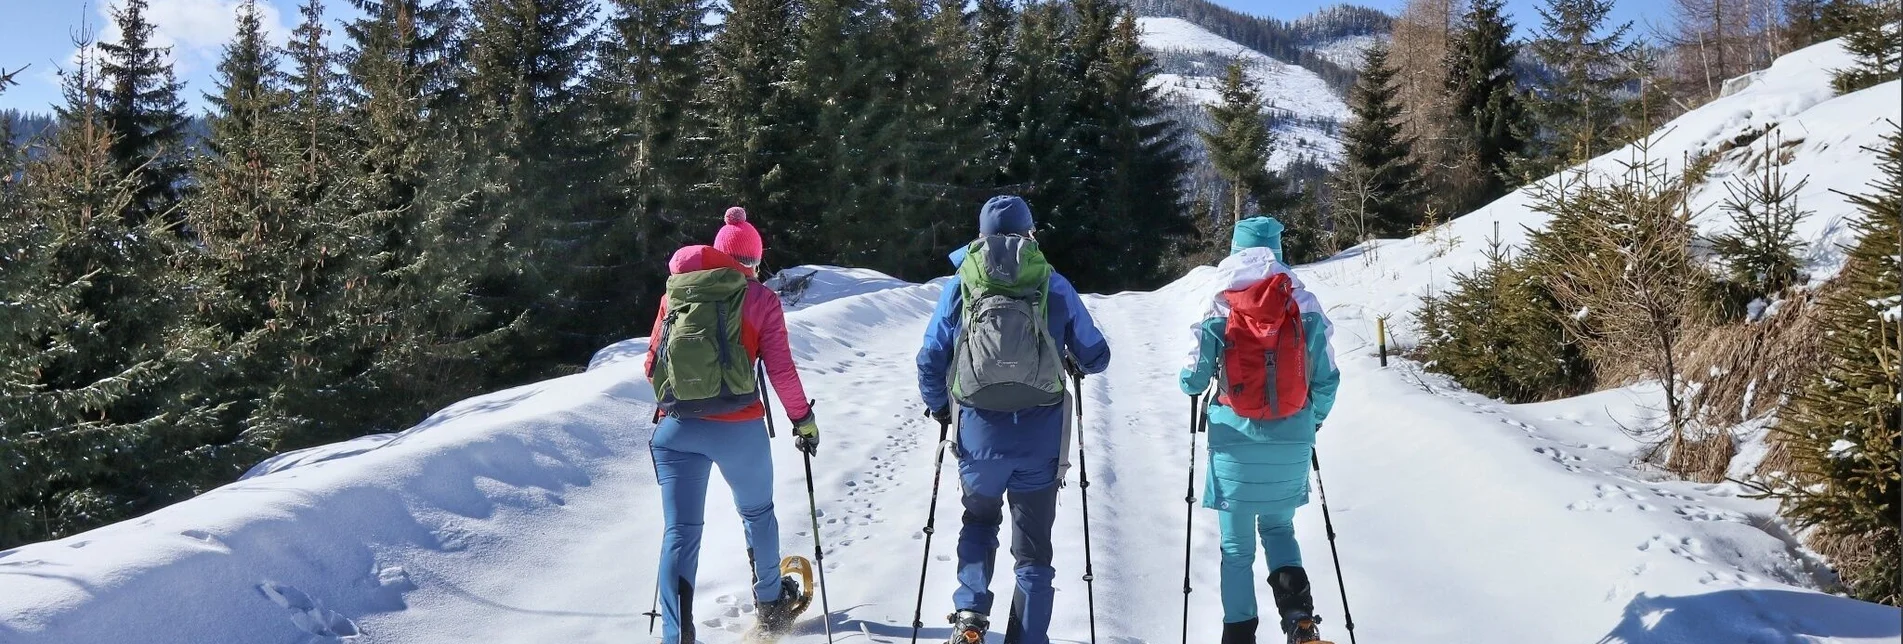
[1265,369]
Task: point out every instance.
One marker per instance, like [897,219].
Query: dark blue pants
[685,452]
[1030,486]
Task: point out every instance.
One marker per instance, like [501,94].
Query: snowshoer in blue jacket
[1002,455]
[1258,469]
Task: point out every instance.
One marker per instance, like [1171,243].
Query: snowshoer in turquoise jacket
[1258,469]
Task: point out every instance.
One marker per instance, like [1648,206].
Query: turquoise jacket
[1260,466]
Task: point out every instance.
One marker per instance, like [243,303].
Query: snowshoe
[1305,630]
[968,627]
[796,593]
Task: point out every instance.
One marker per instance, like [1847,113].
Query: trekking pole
[1083,489]
[819,554]
[931,518]
[1316,460]
[1197,415]
[654,607]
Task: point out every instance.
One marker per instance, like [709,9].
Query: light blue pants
[685,451]
[1239,532]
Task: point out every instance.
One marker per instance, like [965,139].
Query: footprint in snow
[1685,547]
[1590,506]
[395,577]
[307,614]
[1605,491]
[1670,494]
[205,537]
[1699,513]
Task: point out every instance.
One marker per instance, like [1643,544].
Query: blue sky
[39,33]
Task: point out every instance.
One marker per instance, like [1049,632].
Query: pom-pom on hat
[738,238]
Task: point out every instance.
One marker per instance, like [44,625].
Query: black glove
[942,414]
[1070,367]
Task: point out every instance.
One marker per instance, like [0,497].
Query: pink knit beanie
[738,238]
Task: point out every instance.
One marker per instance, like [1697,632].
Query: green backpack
[701,366]
[1005,358]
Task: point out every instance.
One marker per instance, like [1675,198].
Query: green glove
[806,432]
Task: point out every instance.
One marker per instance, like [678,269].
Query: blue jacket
[1261,466]
[1031,433]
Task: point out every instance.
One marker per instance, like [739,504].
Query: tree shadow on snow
[1751,615]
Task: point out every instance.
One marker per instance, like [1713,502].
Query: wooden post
[1381,336]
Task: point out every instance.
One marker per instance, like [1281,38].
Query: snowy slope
[530,515]
[1347,52]
[1830,136]
[1286,88]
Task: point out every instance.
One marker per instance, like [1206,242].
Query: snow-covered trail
[530,515]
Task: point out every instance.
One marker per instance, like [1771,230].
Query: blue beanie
[1257,232]
[1005,215]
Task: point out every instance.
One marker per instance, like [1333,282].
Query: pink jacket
[762,331]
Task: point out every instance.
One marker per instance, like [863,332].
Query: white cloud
[196,30]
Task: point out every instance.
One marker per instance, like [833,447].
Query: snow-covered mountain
[1302,99]
[530,515]
[1347,51]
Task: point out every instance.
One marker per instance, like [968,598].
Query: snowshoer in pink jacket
[727,429]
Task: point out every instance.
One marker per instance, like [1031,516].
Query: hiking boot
[1239,632]
[1292,598]
[1306,628]
[777,616]
[968,627]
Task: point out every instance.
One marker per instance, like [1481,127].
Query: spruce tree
[994,32]
[1873,35]
[956,145]
[238,215]
[1652,104]
[1239,142]
[1842,428]
[97,358]
[1378,190]
[531,175]
[399,62]
[1808,22]
[1501,330]
[1485,97]
[279,248]
[1039,157]
[1761,250]
[1143,212]
[1576,110]
[1305,236]
[754,130]
[145,114]
[641,96]
[846,116]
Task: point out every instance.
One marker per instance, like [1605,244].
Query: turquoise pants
[1239,532]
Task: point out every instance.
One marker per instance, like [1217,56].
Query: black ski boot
[1295,603]
[968,627]
[777,616]
[1239,632]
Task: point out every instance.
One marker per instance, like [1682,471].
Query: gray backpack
[1005,358]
